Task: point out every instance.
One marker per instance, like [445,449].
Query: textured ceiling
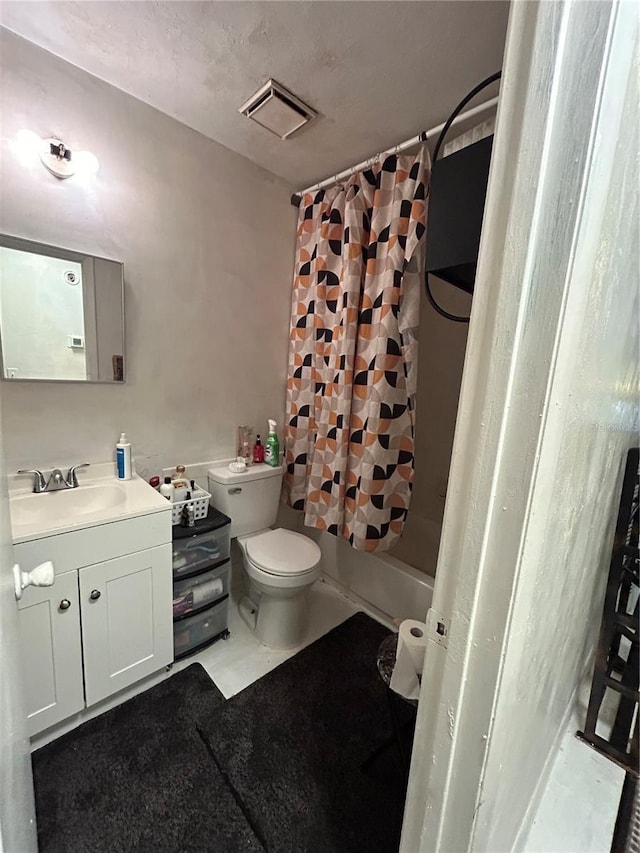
[376,72]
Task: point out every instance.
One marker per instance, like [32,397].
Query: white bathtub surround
[391,586]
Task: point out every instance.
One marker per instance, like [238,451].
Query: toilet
[281,565]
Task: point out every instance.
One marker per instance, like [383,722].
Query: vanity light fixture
[54,155]
[26,147]
[62,162]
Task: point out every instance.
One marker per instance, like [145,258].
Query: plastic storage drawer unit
[201,569]
[196,631]
[197,592]
[202,546]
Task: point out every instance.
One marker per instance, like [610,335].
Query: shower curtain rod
[421,137]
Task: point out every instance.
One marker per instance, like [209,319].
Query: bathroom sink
[97,500]
[85,500]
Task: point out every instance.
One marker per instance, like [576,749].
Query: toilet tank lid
[253,472]
[283,552]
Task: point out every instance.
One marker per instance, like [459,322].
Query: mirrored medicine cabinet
[61,314]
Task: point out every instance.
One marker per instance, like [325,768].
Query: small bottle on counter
[188,514]
[166,489]
[244,444]
[154,482]
[123,458]
[258,451]
[180,484]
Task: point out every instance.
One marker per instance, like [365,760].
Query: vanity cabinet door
[127,623]
[49,622]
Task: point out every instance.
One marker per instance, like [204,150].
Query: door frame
[555,63]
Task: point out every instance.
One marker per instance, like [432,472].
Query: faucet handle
[72,480]
[39,483]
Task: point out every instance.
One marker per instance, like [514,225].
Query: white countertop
[101,498]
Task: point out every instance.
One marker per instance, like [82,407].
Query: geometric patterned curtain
[350,422]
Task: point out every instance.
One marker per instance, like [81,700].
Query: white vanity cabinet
[125,632]
[49,624]
[106,622]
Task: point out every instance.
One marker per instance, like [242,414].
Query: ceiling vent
[277,109]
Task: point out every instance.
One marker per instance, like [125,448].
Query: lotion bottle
[166,489]
[123,458]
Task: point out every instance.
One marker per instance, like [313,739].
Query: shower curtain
[349,430]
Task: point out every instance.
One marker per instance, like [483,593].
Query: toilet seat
[283,553]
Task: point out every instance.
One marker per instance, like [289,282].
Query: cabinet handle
[95,594]
[65,604]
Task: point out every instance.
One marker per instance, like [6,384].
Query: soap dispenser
[272,446]
[258,451]
[123,458]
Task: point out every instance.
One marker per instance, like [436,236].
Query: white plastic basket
[200,502]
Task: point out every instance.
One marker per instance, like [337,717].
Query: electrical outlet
[11,372]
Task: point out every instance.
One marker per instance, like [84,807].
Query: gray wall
[440,361]
[207,243]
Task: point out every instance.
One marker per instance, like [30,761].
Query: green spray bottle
[272,446]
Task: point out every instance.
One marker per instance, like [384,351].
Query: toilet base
[248,611]
[282,618]
[275,608]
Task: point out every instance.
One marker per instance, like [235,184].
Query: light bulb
[26,147]
[85,163]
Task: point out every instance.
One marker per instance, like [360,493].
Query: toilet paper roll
[412,642]
[206,591]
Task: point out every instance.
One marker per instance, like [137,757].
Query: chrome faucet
[56,479]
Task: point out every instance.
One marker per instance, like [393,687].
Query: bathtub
[386,585]
[382,582]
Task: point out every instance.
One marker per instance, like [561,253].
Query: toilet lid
[283,552]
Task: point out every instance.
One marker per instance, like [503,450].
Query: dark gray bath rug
[139,778]
[291,747]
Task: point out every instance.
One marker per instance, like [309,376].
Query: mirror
[61,314]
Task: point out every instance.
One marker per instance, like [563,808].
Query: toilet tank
[249,498]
